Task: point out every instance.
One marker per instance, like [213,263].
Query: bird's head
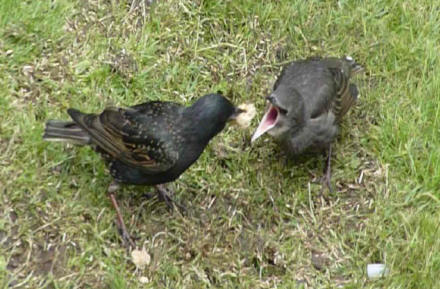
[211,113]
[281,114]
[215,107]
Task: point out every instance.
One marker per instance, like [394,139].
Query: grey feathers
[309,99]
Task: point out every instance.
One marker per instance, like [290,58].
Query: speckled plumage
[147,144]
[150,143]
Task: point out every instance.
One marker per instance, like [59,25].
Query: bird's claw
[165,197]
[122,229]
[126,238]
[326,183]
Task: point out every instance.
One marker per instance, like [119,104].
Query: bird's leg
[326,180]
[164,196]
[120,221]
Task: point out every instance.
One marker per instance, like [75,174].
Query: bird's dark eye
[282,110]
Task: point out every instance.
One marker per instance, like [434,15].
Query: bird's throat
[269,120]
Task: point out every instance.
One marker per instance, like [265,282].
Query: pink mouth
[269,120]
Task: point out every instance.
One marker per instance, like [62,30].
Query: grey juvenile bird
[309,99]
[147,144]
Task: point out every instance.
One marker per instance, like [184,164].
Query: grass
[255,220]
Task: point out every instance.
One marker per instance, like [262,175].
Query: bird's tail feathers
[66,131]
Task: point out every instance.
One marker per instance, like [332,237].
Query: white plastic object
[375,271]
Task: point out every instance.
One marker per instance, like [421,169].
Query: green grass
[254,220]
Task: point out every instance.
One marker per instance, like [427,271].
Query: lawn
[255,219]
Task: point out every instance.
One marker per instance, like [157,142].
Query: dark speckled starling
[147,144]
[309,99]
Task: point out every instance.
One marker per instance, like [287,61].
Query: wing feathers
[125,139]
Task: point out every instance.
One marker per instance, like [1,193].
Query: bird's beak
[236,113]
[269,120]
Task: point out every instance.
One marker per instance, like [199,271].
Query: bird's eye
[282,110]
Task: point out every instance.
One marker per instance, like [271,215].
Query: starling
[147,144]
[309,99]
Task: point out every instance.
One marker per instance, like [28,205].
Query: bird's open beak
[269,120]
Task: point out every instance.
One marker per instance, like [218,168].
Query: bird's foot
[148,195]
[326,179]
[122,229]
[164,195]
[127,240]
[326,183]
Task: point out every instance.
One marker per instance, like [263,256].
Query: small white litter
[375,271]
[140,258]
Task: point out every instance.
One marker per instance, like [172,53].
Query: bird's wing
[346,93]
[132,136]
